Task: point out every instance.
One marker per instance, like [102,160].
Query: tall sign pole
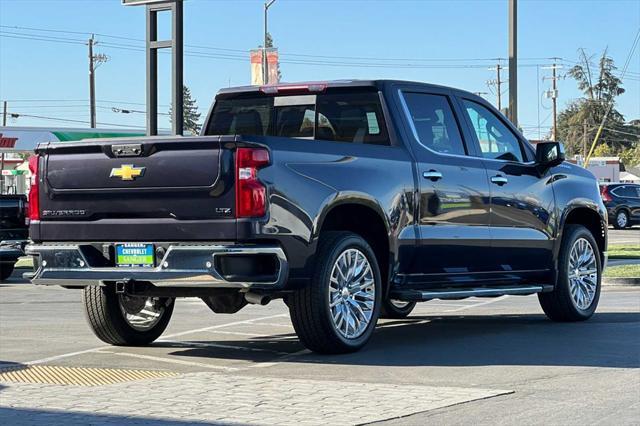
[153,7]
[265,62]
[92,86]
[513,61]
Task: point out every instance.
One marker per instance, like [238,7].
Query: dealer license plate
[135,255]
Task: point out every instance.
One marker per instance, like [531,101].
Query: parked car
[350,200]
[622,201]
[13,232]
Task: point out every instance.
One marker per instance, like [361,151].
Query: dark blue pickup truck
[349,200]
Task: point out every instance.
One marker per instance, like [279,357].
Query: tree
[190,110]
[601,87]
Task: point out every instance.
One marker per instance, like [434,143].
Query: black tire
[103,312]
[558,305]
[6,269]
[626,219]
[309,306]
[389,310]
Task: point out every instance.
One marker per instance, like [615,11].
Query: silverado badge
[127,172]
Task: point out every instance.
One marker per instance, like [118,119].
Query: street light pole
[513,61]
[265,64]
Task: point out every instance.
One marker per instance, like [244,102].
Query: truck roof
[321,85]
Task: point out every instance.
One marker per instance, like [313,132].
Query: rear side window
[351,117]
[627,191]
[344,117]
[433,123]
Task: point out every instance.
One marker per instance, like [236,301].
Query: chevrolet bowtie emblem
[127,172]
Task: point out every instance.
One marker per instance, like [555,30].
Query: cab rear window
[340,117]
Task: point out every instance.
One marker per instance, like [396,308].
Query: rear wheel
[396,309]
[577,291]
[622,220]
[338,311]
[120,319]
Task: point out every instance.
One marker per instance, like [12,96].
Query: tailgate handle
[128,150]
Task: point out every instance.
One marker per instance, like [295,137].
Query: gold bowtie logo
[127,172]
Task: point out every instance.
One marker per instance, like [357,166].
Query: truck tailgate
[173,189]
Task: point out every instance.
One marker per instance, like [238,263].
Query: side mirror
[549,154]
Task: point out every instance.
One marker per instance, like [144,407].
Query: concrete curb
[621,281]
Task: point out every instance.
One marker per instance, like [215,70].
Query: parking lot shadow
[607,340]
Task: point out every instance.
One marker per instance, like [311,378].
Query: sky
[44,65]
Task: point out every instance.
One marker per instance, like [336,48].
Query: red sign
[7,142]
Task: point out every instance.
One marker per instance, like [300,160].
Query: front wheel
[338,311]
[577,291]
[622,220]
[124,320]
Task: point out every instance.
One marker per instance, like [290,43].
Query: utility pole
[92,86]
[584,140]
[94,62]
[265,63]
[553,94]
[4,123]
[513,62]
[554,100]
[498,83]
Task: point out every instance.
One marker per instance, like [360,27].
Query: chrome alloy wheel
[141,313]
[583,274]
[352,293]
[621,219]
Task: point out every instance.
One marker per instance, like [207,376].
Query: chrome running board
[461,293]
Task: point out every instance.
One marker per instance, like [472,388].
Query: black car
[13,232]
[350,200]
[622,201]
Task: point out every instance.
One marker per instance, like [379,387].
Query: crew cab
[349,200]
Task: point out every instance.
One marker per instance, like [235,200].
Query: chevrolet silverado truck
[349,200]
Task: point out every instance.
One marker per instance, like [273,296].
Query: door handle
[432,175]
[499,180]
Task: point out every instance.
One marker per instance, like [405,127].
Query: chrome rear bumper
[181,266]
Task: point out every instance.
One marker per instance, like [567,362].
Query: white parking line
[235,333]
[169,360]
[486,302]
[182,333]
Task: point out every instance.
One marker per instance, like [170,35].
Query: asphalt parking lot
[496,361]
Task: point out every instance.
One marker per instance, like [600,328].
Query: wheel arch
[591,219]
[364,217]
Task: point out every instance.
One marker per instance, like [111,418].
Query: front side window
[497,142]
[434,124]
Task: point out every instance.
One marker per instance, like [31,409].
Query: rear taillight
[604,193]
[251,194]
[34,193]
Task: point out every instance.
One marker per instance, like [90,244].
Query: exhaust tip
[257,299]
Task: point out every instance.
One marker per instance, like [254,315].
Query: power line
[244,51]
[69,120]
